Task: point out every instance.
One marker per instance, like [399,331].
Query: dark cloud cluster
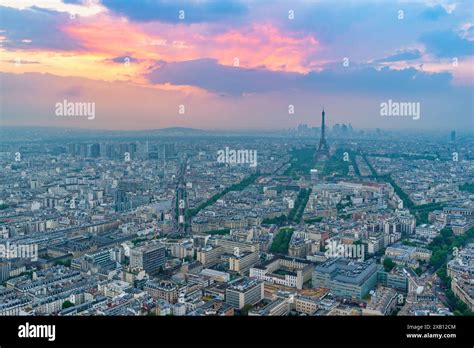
[41,26]
[447,44]
[209,75]
[168,11]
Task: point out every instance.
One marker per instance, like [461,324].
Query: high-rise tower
[323,149]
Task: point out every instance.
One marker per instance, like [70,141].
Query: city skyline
[237,65]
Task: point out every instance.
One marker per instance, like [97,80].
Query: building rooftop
[244,284]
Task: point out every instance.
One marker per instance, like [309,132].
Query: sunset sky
[236,64]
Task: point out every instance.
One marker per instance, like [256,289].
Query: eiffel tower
[323,149]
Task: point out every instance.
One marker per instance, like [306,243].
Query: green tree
[447,233]
[388,264]
[246,309]
[281,241]
[67,304]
